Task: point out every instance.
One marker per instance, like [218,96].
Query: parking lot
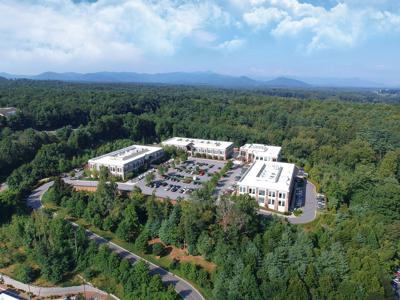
[228,183]
[181,180]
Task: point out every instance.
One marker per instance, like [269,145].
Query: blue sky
[258,38]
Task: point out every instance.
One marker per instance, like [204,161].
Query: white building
[254,152]
[201,147]
[6,295]
[126,160]
[270,183]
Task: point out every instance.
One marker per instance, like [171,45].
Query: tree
[142,240]
[129,227]
[149,177]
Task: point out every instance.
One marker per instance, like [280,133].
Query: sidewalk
[52,291]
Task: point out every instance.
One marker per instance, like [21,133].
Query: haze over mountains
[195,78]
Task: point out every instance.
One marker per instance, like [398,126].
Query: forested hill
[349,148]
[279,87]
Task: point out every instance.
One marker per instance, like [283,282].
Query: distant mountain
[187,78]
[352,82]
[195,78]
[3,78]
[286,83]
[202,78]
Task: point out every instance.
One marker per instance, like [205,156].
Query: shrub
[297,212]
[25,273]
[174,264]
[158,249]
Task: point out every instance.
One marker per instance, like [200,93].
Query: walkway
[51,291]
[182,287]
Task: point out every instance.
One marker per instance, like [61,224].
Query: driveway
[182,287]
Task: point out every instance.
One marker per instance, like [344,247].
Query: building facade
[124,161]
[254,152]
[200,147]
[270,183]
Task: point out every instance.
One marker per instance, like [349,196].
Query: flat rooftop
[272,151]
[197,143]
[125,155]
[269,175]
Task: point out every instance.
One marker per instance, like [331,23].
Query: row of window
[271,201]
[264,158]
[253,190]
[209,151]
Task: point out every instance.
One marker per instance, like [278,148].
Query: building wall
[121,171]
[248,156]
[270,198]
[220,153]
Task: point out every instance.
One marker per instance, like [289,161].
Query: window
[281,202]
[261,200]
[282,195]
[252,191]
[271,194]
[261,192]
[242,189]
[271,201]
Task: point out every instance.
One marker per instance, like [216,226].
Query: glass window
[261,192]
[271,201]
[282,195]
[271,194]
[281,203]
[261,200]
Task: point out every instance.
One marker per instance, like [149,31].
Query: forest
[349,147]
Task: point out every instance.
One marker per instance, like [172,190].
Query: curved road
[182,287]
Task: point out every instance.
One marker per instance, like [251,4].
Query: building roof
[6,295]
[7,111]
[269,175]
[197,143]
[260,149]
[126,155]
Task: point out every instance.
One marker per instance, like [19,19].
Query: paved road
[50,291]
[182,287]
[309,209]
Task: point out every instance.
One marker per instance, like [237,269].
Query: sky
[257,38]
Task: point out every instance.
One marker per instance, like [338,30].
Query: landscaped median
[166,262]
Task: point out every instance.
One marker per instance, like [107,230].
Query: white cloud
[231,45]
[342,25]
[122,32]
[261,16]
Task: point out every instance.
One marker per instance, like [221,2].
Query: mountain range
[187,78]
[197,78]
